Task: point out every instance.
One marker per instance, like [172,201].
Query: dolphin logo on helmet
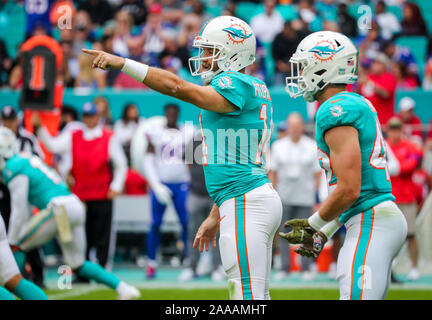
[219,49]
[236,33]
[324,50]
[321,58]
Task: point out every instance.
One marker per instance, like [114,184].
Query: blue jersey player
[352,151]
[236,123]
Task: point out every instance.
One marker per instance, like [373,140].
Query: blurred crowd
[160,33]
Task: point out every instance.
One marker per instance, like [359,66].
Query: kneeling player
[32,183]
[10,276]
[353,154]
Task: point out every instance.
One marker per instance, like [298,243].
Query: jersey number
[266,133]
[378,157]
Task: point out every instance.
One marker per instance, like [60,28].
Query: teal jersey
[351,109]
[44,182]
[234,144]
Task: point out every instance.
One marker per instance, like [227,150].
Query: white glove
[163,193]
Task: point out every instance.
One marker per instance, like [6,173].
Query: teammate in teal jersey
[352,152]
[11,277]
[236,123]
[33,184]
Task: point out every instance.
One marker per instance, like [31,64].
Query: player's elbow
[352,192]
[173,87]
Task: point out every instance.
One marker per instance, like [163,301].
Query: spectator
[198,204]
[124,128]
[70,67]
[16,73]
[347,24]
[100,11]
[122,33]
[88,77]
[5,64]
[387,21]
[296,175]
[405,80]
[327,10]
[268,24]
[283,47]
[401,54]
[81,32]
[173,49]
[136,8]
[190,27]
[412,124]
[427,80]
[413,23]
[104,111]
[407,155]
[93,151]
[379,87]
[308,14]
[122,80]
[369,45]
[38,16]
[152,34]
[107,46]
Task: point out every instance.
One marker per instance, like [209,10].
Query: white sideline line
[75,291]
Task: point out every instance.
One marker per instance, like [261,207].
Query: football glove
[163,193]
[301,231]
[313,246]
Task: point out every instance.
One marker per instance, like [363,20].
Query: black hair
[172,105]
[126,108]
[67,109]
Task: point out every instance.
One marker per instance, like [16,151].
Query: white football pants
[8,266]
[40,229]
[373,239]
[248,225]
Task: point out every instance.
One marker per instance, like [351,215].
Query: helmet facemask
[321,58]
[298,85]
[196,63]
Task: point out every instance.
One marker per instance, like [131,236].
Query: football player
[352,151]
[10,275]
[32,183]
[236,122]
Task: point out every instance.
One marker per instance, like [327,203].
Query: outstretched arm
[204,97]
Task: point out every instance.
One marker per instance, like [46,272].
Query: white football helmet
[233,46]
[7,145]
[321,58]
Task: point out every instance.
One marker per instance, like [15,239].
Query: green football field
[222,294]
[167,287]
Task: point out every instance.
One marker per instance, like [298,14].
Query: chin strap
[208,76]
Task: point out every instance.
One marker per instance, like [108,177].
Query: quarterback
[236,123]
[352,152]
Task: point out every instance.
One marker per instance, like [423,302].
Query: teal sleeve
[233,87]
[331,116]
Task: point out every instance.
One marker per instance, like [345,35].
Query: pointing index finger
[91,52]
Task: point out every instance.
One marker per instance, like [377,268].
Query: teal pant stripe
[36,228]
[241,247]
[360,255]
